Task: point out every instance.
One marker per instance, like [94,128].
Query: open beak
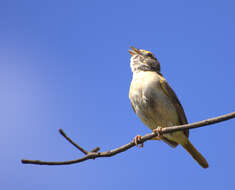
[133,51]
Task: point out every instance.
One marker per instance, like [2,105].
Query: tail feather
[195,154]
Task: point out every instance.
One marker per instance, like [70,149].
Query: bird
[156,104]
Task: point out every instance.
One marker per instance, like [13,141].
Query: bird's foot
[158,131]
[137,140]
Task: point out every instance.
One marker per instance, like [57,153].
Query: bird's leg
[137,138]
[158,130]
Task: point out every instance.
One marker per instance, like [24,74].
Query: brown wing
[171,94]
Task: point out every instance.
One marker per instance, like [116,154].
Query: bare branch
[95,149]
[95,154]
[73,143]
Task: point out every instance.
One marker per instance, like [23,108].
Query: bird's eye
[150,54]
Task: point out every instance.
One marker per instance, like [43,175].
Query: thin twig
[94,154]
[95,149]
[73,143]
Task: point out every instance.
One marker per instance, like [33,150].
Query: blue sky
[65,64]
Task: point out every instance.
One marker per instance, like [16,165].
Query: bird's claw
[158,131]
[137,139]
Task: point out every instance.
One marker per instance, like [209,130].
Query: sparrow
[156,104]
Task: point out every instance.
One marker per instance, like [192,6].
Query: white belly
[151,104]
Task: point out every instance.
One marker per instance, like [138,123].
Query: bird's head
[143,60]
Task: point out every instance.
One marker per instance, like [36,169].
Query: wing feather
[171,94]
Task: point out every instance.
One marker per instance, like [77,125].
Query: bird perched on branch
[156,104]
